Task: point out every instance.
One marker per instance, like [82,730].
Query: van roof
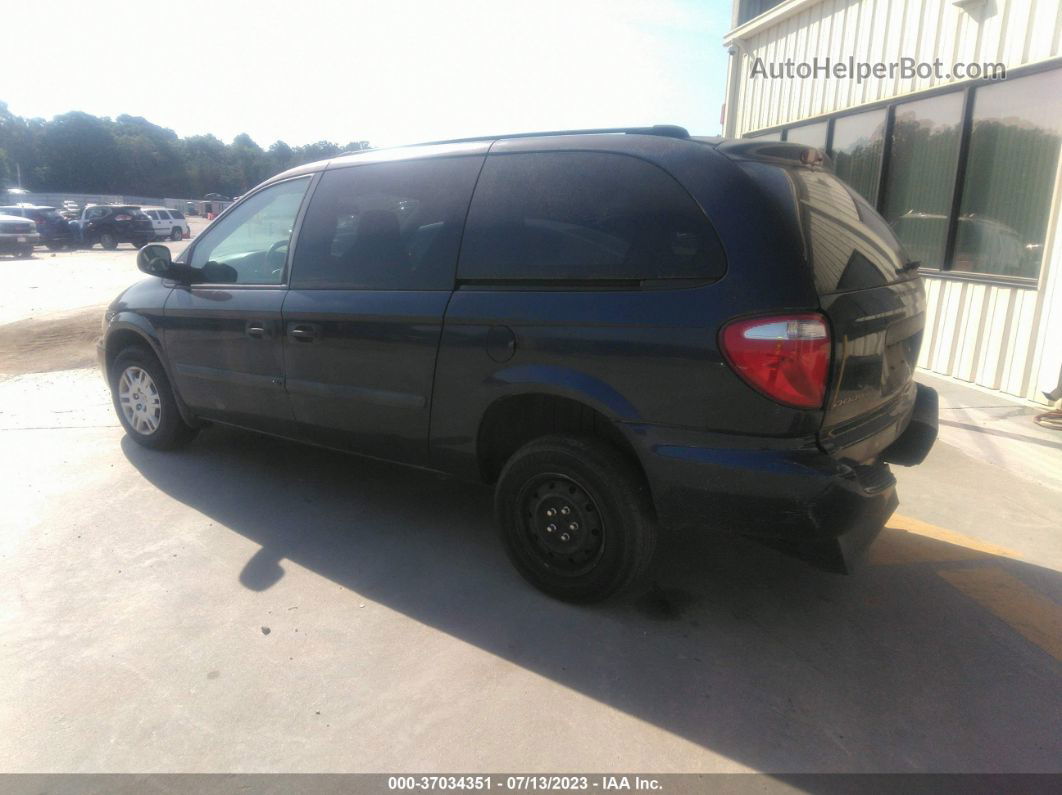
[481,144]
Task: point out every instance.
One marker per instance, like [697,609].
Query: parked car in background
[597,324]
[18,235]
[54,230]
[169,224]
[111,224]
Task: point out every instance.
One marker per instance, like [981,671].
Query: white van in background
[169,224]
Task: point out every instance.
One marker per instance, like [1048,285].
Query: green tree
[79,152]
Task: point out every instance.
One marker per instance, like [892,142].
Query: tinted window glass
[152,214]
[858,143]
[388,226]
[175,214]
[1010,174]
[250,244]
[852,248]
[574,215]
[921,180]
[809,135]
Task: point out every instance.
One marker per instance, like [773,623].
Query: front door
[372,274]
[224,334]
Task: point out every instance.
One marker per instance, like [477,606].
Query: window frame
[186,255]
[968,89]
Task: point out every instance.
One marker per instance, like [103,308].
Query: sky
[386,72]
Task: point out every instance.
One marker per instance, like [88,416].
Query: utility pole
[18,173]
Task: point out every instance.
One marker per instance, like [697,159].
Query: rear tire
[25,253]
[144,402]
[176,234]
[576,517]
[108,241]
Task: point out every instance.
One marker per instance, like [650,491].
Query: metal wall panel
[1013,32]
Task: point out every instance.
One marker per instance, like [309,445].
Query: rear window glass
[850,245]
[572,216]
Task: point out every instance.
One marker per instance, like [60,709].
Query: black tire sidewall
[172,429]
[618,493]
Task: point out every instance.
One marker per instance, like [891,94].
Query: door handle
[303,332]
[255,330]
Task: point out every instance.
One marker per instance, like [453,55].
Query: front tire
[108,241]
[576,517]
[144,401]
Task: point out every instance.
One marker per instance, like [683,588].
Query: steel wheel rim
[139,400]
[576,541]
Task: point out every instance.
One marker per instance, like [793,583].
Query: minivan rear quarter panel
[648,355]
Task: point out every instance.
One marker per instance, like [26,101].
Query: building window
[921,181]
[858,144]
[1010,174]
[1014,133]
[808,134]
[748,9]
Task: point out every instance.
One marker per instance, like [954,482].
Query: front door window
[250,244]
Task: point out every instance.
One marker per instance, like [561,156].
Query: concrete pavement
[247,604]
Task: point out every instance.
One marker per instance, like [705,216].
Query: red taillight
[38,221]
[786,357]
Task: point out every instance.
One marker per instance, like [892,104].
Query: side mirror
[155,260]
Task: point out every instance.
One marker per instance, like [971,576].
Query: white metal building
[967,171]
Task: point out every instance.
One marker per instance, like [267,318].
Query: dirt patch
[57,342]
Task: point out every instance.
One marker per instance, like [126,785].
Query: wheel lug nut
[551,528]
[551,512]
[565,537]
[573,526]
[566,510]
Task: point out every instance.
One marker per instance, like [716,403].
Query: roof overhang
[767,19]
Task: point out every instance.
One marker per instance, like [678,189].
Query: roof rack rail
[663,130]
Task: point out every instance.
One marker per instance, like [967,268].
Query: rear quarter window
[576,216]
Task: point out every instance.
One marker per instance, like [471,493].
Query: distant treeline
[82,153]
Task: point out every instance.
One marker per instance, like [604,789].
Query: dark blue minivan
[625,330]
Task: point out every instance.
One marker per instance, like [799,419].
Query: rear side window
[152,214]
[387,226]
[178,215]
[575,216]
